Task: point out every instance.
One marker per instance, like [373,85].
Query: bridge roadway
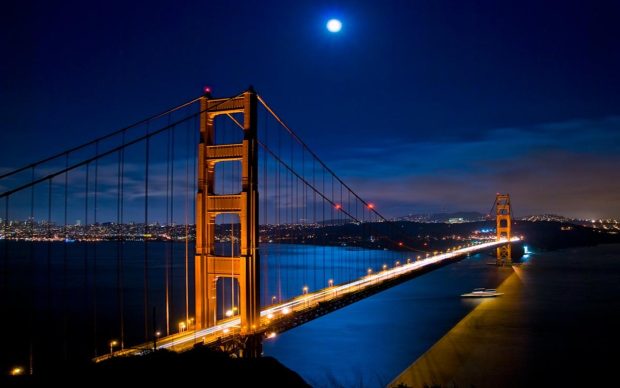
[284,316]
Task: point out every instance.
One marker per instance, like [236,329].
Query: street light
[157,335]
[305,290]
[182,326]
[113,343]
[384,267]
[330,282]
[17,371]
[273,299]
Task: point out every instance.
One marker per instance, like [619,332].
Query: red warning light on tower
[207,89]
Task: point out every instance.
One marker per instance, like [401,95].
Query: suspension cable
[99,139]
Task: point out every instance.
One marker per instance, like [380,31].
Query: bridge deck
[304,308]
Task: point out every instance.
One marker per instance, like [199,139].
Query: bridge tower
[208,266]
[504,222]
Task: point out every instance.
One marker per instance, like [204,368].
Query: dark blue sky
[419,105]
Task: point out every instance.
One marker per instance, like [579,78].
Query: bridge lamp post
[273,299]
[155,337]
[305,291]
[17,371]
[113,343]
[182,326]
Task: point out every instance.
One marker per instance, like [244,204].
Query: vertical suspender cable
[196,138]
[31,312]
[64,267]
[5,261]
[95,246]
[86,241]
[187,155]
[121,241]
[167,246]
[48,269]
[145,238]
[172,229]
[265,253]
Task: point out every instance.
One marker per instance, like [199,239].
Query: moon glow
[334,25]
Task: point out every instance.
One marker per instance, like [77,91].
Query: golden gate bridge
[210,223]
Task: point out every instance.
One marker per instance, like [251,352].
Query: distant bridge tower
[504,222]
[208,266]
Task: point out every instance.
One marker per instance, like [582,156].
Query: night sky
[421,106]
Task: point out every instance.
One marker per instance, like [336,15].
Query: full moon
[334,25]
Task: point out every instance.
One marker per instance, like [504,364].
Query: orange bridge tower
[504,223]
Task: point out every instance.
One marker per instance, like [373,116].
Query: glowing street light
[305,291]
[330,282]
[17,371]
[369,271]
[157,335]
[113,343]
[384,267]
[229,313]
[273,299]
[182,326]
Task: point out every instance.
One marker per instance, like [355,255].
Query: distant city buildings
[312,233]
